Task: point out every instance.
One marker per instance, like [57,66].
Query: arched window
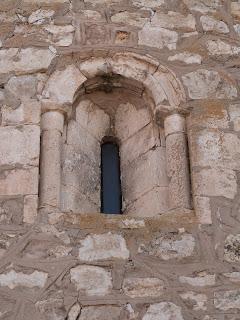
[111,195]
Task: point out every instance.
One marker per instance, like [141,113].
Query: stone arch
[160,85]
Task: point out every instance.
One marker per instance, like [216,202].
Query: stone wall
[177,59]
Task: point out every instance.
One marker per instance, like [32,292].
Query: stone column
[50,163]
[177,161]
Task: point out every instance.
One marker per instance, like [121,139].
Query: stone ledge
[175,218]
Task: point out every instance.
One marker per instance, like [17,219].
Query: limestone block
[102,247]
[157,37]
[215,182]
[203,6]
[154,86]
[14,279]
[150,204]
[25,61]
[19,182]
[198,301]
[174,21]
[27,113]
[227,300]
[138,144]
[63,84]
[40,16]
[234,113]
[93,119]
[219,47]
[186,57]
[202,280]
[135,183]
[203,209]
[95,66]
[30,209]
[91,280]
[148,3]
[100,313]
[233,276]
[74,312]
[143,287]
[231,248]
[80,174]
[20,145]
[235,9]
[135,19]
[215,148]
[83,142]
[129,120]
[11,211]
[171,246]
[203,84]
[19,89]
[61,35]
[163,311]
[90,15]
[75,200]
[211,24]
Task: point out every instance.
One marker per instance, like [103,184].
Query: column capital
[48,105]
[174,123]
[52,120]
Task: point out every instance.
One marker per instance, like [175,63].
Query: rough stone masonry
[162,77]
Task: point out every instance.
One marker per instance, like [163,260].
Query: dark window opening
[111,195]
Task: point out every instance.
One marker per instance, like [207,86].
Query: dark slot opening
[111,195]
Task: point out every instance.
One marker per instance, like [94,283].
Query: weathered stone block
[25,61]
[63,84]
[227,300]
[151,204]
[186,57]
[212,24]
[61,35]
[232,248]
[203,280]
[135,183]
[93,119]
[136,19]
[92,281]
[40,16]
[215,182]
[138,144]
[171,246]
[203,209]
[100,313]
[19,182]
[27,113]
[174,21]
[234,113]
[11,210]
[163,311]
[143,287]
[102,247]
[221,48]
[203,6]
[20,145]
[148,3]
[160,37]
[203,84]
[129,119]
[30,209]
[197,301]
[14,279]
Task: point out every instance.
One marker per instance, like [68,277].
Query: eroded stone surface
[14,279]
[93,281]
[227,300]
[100,312]
[232,248]
[143,287]
[199,281]
[102,247]
[162,311]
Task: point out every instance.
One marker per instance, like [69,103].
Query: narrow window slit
[111,195]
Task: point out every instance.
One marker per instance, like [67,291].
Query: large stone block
[227,300]
[151,204]
[197,301]
[129,119]
[148,3]
[163,311]
[40,16]
[63,84]
[215,182]
[136,19]
[211,24]
[142,175]
[204,6]
[92,281]
[221,48]
[102,247]
[27,113]
[202,280]
[30,208]
[203,84]
[143,287]
[61,35]
[174,21]
[20,145]
[138,144]
[11,211]
[25,61]
[19,182]
[186,57]
[171,246]
[100,313]
[232,248]
[14,279]
[93,119]
[157,37]
[234,113]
